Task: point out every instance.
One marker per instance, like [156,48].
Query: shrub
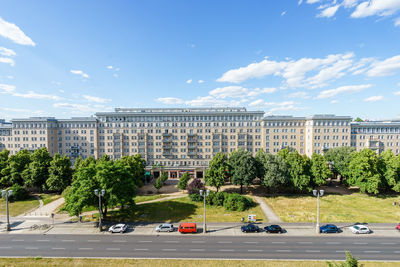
[195,197]
[236,202]
[219,198]
[19,192]
[195,186]
[210,198]
[164,177]
[159,183]
[183,181]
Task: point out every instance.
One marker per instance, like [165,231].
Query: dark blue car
[328,228]
[250,228]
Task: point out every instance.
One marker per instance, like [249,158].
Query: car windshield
[356,227]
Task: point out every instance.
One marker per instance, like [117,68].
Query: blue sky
[73,58]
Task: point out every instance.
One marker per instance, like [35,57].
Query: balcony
[167,146]
[191,134]
[191,146]
[166,134]
[192,140]
[192,153]
[167,140]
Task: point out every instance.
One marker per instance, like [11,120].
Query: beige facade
[186,139]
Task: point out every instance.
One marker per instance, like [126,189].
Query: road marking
[312,251]
[43,240]
[93,240]
[119,241]
[112,248]
[388,243]
[283,250]
[340,251]
[224,242]
[5,247]
[169,249]
[85,248]
[304,242]
[250,242]
[17,240]
[254,250]
[67,240]
[198,241]
[141,249]
[372,251]
[332,243]
[31,248]
[396,251]
[57,248]
[226,250]
[360,243]
[145,241]
[171,241]
[278,242]
[197,249]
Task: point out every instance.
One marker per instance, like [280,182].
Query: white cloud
[7,60]
[7,52]
[14,33]
[384,68]
[7,88]
[96,99]
[34,95]
[275,106]
[258,91]
[334,102]
[303,95]
[10,77]
[299,2]
[376,7]
[110,67]
[209,101]
[169,100]
[328,12]
[189,81]
[350,3]
[200,81]
[283,13]
[76,108]
[396,93]
[343,89]
[373,98]
[313,1]
[397,22]
[81,73]
[229,91]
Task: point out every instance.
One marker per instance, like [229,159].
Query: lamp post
[204,194]
[318,193]
[99,194]
[7,193]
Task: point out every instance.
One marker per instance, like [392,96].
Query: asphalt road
[253,246]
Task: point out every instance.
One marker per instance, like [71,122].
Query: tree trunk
[241,189]
[217,189]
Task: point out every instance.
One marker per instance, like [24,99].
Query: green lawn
[139,199]
[47,198]
[337,208]
[18,207]
[182,209]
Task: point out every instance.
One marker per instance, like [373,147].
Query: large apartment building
[181,139]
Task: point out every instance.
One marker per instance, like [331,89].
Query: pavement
[45,210]
[201,247]
[268,212]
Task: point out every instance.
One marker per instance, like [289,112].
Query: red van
[187,228]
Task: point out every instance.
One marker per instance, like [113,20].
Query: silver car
[360,229]
[118,228]
[166,227]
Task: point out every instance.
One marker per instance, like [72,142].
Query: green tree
[60,173]
[340,157]
[364,171]
[183,181]
[319,169]
[17,168]
[276,175]
[299,169]
[217,171]
[358,119]
[350,262]
[38,169]
[164,177]
[158,184]
[243,168]
[136,165]
[260,158]
[391,170]
[3,161]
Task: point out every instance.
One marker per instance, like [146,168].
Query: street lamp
[99,194]
[7,193]
[204,194]
[318,193]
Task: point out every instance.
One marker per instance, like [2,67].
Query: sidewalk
[268,212]
[46,210]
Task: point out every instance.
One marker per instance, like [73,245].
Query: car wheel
[357,233]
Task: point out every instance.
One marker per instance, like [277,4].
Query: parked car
[118,228]
[328,228]
[166,227]
[250,228]
[398,226]
[273,229]
[187,228]
[360,229]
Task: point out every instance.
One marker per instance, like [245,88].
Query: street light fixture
[318,193]
[99,194]
[204,194]
[6,194]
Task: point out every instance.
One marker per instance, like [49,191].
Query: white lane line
[113,249]
[388,243]
[396,251]
[119,241]
[278,242]
[312,251]
[340,251]
[169,249]
[85,248]
[57,248]
[198,242]
[283,250]
[5,247]
[171,241]
[332,243]
[93,240]
[360,243]
[43,240]
[226,250]
[304,242]
[17,240]
[250,242]
[145,241]
[372,251]
[224,242]
[141,249]
[197,249]
[31,248]
[254,250]
[67,240]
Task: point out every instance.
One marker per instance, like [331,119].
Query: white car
[166,227]
[360,229]
[118,228]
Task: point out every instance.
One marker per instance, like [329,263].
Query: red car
[398,226]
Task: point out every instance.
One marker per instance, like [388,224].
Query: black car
[273,229]
[250,228]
